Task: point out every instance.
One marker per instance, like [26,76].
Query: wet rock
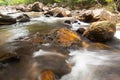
[80,31]
[47,75]
[88,16]
[38,38]
[67,22]
[64,37]
[23,18]
[6,54]
[24,8]
[55,63]
[58,12]
[100,31]
[95,15]
[45,8]
[14,50]
[48,13]
[37,7]
[107,15]
[99,46]
[104,14]
[6,20]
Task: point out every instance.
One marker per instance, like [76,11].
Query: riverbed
[86,65]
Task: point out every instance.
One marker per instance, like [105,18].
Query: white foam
[46,44]
[79,24]
[44,52]
[86,63]
[117,34]
[42,18]
[40,52]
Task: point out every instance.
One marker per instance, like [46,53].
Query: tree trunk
[118,5]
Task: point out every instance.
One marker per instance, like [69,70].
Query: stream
[86,65]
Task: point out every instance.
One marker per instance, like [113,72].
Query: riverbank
[38,8]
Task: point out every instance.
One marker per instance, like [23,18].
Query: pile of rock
[7,20]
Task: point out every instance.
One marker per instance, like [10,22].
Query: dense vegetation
[13,2]
[70,3]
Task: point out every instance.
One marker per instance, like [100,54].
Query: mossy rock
[101,31]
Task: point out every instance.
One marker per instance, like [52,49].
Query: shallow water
[86,65]
[40,24]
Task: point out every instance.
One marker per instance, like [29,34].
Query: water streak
[92,65]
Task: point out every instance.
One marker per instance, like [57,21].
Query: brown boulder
[80,31]
[100,31]
[64,37]
[37,7]
[6,20]
[23,18]
[54,62]
[24,8]
[104,14]
[87,16]
[96,15]
[58,12]
[107,15]
[47,75]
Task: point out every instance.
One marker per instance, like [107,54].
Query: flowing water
[86,65]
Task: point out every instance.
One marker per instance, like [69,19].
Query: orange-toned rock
[37,38]
[54,62]
[47,75]
[67,37]
[64,37]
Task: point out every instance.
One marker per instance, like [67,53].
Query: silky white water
[94,65]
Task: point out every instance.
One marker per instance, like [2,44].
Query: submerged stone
[52,64]
[47,75]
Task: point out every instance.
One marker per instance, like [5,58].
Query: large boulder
[58,12]
[88,16]
[63,37]
[23,18]
[48,64]
[24,8]
[95,15]
[53,62]
[100,31]
[6,20]
[37,7]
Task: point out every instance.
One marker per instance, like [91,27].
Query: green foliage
[58,0]
[68,2]
[15,2]
[2,3]
[108,1]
